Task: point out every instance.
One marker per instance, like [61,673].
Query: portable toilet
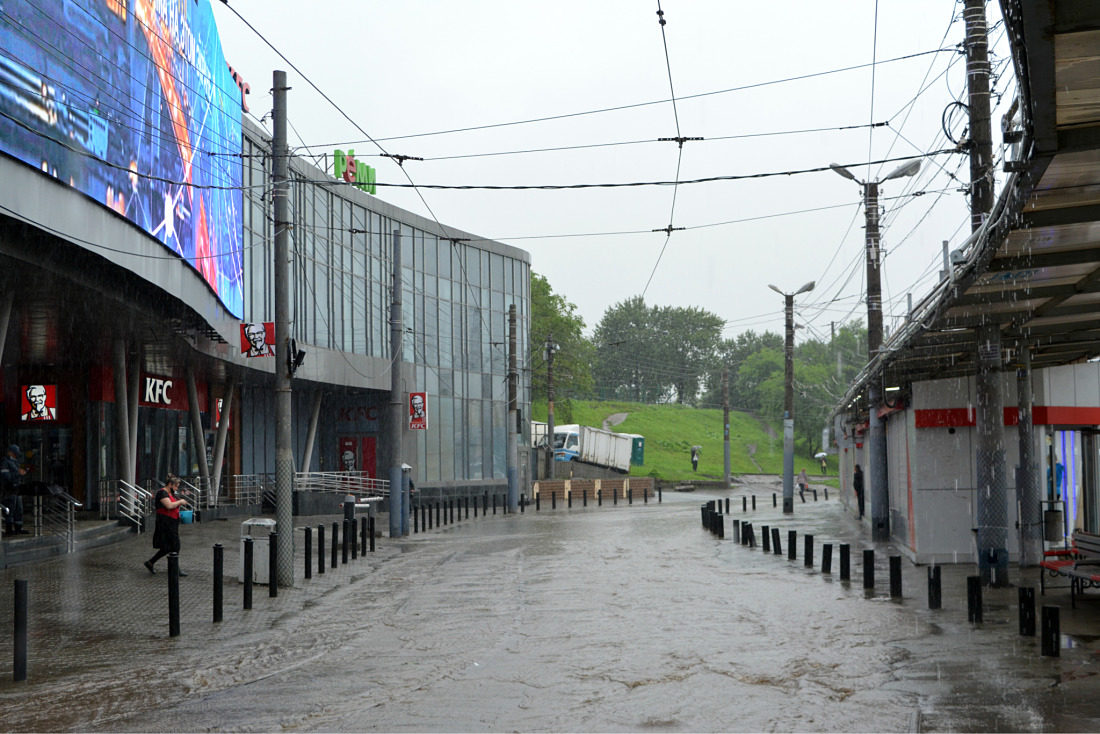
[637,449]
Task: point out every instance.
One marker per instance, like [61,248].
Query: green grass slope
[671,430]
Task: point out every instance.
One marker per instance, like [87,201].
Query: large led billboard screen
[132,103]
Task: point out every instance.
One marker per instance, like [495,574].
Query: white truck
[605,448]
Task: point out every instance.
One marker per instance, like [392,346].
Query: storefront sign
[258,339]
[158,391]
[418,411]
[346,168]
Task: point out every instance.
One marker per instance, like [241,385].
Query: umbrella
[820,455]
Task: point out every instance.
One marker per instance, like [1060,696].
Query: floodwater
[624,618]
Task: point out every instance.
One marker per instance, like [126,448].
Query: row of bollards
[744,533]
[629,497]
[746,499]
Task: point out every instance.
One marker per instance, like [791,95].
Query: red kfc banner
[418,411]
[258,339]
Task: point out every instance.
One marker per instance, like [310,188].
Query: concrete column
[198,436]
[1027,473]
[990,461]
[223,430]
[122,414]
[311,435]
[876,478]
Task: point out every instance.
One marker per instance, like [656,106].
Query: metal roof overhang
[1033,268]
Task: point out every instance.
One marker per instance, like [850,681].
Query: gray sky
[411,67]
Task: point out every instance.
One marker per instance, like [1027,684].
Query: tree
[555,318]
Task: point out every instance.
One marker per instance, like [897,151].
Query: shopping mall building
[136,253]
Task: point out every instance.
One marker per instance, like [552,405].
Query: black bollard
[569,501]
[599,498]
[309,552]
[774,500]
[553,502]
[19,669]
[845,562]
[494,503]
[935,590]
[173,595]
[468,508]
[808,550]
[645,498]
[765,538]
[352,544]
[426,511]
[615,496]
[744,504]
[451,504]
[826,494]
[727,505]
[219,566]
[248,573]
[363,535]
[974,599]
[736,531]
[370,532]
[777,547]
[538,504]
[335,543]
[439,512]
[416,521]
[895,577]
[815,495]
[1052,631]
[792,544]
[868,568]
[659,497]
[721,520]
[1027,611]
[320,549]
[827,558]
[754,502]
[273,564]
[485,503]
[630,496]
[752,536]
[584,498]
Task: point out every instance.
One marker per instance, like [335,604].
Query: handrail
[133,503]
[57,514]
[346,482]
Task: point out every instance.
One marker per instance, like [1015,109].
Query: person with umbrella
[821,456]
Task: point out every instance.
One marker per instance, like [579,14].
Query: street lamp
[788,397]
[880,496]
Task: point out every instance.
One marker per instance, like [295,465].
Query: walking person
[695,458]
[11,476]
[803,484]
[857,485]
[166,535]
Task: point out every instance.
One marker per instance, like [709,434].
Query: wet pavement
[613,618]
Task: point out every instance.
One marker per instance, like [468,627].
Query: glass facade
[456,298]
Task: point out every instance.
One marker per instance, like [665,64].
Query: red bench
[1080,564]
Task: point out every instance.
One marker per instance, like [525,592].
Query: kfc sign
[418,411]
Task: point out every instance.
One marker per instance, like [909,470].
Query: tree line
[668,354]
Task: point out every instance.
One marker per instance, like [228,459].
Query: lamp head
[776,290]
[907,169]
[843,171]
[806,288]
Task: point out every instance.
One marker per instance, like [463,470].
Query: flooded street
[624,618]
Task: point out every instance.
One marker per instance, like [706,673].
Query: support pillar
[877,477]
[1027,473]
[990,461]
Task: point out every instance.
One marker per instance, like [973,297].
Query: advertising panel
[133,104]
[418,411]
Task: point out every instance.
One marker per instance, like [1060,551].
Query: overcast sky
[414,67]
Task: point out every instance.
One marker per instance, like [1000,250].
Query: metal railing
[249,489]
[120,499]
[57,516]
[356,483]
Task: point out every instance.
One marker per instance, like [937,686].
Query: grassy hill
[671,430]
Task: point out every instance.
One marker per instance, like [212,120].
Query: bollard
[659,497]
[451,503]
[869,568]
[777,547]
[754,503]
[173,594]
[645,498]
[553,502]
[335,543]
[765,538]
[1052,631]
[773,500]
[827,558]
[426,510]
[736,531]
[309,551]
[744,533]
[727,505]
[363,536]
[1027,611]
[808,550]
[569,501]
[370,532]
[584,498]
[792,544]
[815,495]
[752,536]
[845,562]
[744,504]
[538,504]
[895,577]
[721,520]
[273,564]
[352,544]
[615,496]
[485,503]
[935,590]
[344,546]
[416,521]
[974,599]
[439,512]
[248,573]
[494,503]
[523,504]
[219,566]
[826,494]
[468,508]
[599,498]
[630,495]
[320,549]
[19,669]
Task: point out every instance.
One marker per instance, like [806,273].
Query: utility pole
[550,348]
[726,421]
[513,414]
[397,403]
[284,454]
[788,408]
[879,482]
[981,132]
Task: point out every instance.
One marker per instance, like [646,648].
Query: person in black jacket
[857,485]
[11,476]
[166,534]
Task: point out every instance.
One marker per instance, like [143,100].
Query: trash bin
[259,529]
